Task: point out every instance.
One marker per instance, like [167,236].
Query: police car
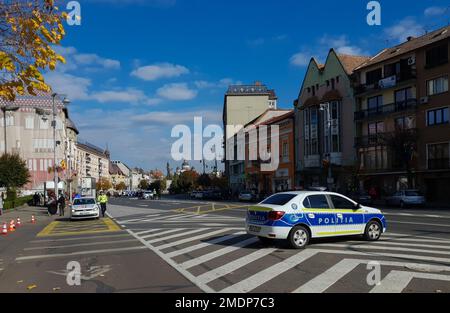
[301,215]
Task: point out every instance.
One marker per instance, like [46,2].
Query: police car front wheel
[299,237]
[373,231]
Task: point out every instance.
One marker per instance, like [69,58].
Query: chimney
[409,38]
[258,83]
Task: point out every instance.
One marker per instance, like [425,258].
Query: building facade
[242,104]
[402,118]
[126,171]
[26,124]
[324,114]
[91,162]
[283,178]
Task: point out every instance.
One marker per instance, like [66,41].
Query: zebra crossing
[223,258]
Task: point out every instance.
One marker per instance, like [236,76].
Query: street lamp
[5,109]
[325,108]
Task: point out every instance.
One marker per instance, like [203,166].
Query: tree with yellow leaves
[28,31]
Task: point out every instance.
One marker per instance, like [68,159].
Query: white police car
[299,216]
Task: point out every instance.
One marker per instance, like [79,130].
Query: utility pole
[325,107]
[55,172]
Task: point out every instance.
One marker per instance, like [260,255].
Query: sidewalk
[24,213]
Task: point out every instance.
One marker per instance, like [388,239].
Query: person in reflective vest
[103,200]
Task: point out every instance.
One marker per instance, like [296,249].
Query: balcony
[387,109]
[380,139]
[386,82]
[439,164]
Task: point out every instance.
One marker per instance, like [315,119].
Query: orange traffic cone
[33,220]
[12,226]
[5,229]
[18,223]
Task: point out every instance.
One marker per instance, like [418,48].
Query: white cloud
[341,44]
[301,59]
[434,11]
[177,92]
[129,95]
[158,71]
[76,88]
[173,118]
[403,29]
[223,83]
[87,61]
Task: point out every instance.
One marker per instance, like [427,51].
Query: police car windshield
[280,199]
[83,201]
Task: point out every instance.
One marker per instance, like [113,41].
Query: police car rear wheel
[299,237]
[373,231]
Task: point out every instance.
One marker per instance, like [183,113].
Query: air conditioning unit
[424,100]
[411,61]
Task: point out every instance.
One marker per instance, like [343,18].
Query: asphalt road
[193,246]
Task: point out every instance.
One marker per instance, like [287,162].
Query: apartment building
[26,129]
[283,178]
[324,113]
[402,117]
[242,104]
[126,171]
[91,162]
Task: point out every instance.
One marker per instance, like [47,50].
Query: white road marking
[422,224]
[397,281]
[204,244]
[190,239]
[216,254]
[396,243]
[323,281]
[79,238]
[56,255]
[412,239]
[147,231]
[82,244]
[269,273]
[233,266]
[163,233]
[177,235]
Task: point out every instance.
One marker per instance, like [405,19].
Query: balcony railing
[386,109]
[386,82]
[380,139]
[439,164]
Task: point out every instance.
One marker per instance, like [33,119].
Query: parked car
[84,208]
[405,198]
[247,195]
[146,195]
[212,195]
[362,197]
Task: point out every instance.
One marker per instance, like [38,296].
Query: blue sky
[136,68]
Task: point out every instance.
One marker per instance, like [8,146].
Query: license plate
[254,229]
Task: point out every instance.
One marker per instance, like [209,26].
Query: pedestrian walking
[61,204]
[103,200]
[1,203]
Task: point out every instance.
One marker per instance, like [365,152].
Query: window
[285,150]
[29,122]
[438,85]
[401,98]
[313,90]
[333,84]
[279,199]
[374,105]
[438,156]
[374,76]
[438,116]
[437,55]
[43,124]
[342,203]
[405,122]
[316,202]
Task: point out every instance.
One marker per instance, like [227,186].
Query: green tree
[204,181]
[13,172]
[144,185]
[188,181]
[29,31]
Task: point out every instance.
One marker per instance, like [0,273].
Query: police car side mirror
[357,207]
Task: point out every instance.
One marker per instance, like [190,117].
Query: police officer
[103,200]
